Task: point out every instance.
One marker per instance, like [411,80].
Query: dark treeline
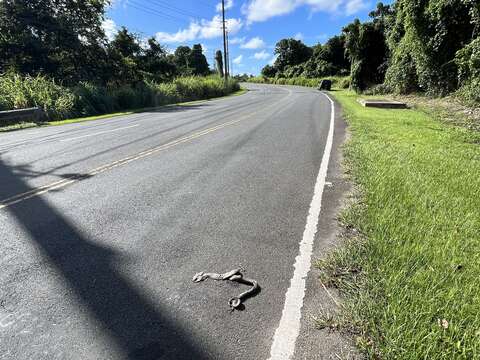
[65,40]
[430,46]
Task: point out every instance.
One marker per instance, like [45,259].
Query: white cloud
[238,60]
[205,29]
[298,36]
[228,5]
[354,6]
[262,55]
[262,10]
[253,43]
[324,5]
[144,43]
[110,28]
[237,40]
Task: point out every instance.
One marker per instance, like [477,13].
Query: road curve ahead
[103,225]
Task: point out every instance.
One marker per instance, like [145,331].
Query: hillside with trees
[431,47]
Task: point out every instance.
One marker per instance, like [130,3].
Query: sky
[254,26]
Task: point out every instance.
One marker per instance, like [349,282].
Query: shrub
[165,94]
[344,83]
[18,92]
[468,63]
[93,100]
[380,89]
[470,92]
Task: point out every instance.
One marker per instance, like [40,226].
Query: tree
[425,39]
[198,61]
[333,52]
[124,56]
[126,44]
[291,52]
[383,13]
[182,60]
[219,62]
[60,38]
[155,62]
[328,59]
[368,53]
[269,71]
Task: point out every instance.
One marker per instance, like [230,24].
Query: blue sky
[255,25]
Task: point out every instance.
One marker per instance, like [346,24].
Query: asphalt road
[103,225]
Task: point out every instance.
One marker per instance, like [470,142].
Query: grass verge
[108,116]
[409,270]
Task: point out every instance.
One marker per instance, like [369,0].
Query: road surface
[103,225]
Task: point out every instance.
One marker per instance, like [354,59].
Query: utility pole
[228,56]
[224,42]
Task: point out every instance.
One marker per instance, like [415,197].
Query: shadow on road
[76,127]
[131,320]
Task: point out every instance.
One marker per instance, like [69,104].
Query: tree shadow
[140,114]
[127,316]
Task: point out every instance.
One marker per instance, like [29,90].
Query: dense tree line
[295,59]
[430,46]
[64,40]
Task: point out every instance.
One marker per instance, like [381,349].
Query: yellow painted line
[75,178]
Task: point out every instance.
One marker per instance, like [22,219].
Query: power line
[174,9]
[164,15]
[152,11]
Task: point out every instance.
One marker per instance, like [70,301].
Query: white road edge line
[284,340]
[100,132]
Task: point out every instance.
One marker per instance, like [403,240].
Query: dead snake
[234,275]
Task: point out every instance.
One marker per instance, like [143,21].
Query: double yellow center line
[75,178]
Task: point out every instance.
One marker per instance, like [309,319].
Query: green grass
[20,126]
[410,269]
[89,118]
[109,116]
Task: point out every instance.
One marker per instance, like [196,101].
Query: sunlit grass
[26,125]
[415,292]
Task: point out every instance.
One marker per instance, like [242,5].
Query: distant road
[103,225]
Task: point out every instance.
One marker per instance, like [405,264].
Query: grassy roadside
[108,116]
[409,270]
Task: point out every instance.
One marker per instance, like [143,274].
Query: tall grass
[86,99]
[17,92]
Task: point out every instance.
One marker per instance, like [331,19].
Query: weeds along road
[103,225]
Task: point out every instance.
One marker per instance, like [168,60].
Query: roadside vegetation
[342,82]
[50,57]
[86,99]
[409,270]
[431,47]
